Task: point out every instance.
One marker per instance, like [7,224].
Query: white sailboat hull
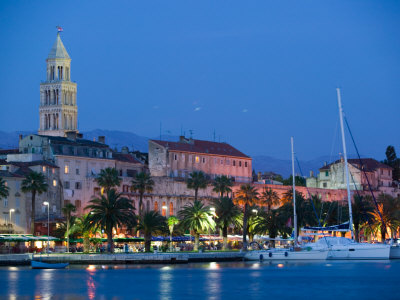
[360,251]
[394,252]
[269,255]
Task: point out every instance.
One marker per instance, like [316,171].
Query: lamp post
[11,211]
[212,209]
[48,224]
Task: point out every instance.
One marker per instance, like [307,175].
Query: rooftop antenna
[191,133]
[214,135]
[181,129]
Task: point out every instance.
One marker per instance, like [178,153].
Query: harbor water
[337,280]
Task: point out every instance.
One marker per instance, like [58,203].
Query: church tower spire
[58,111]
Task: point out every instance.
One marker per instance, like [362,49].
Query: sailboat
[294,253]
[341,247]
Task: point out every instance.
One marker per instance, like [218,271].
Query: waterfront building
[179,159]
[18,204]
[332,176]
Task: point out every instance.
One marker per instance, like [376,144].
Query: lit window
[66,169]
[53,170]
[197,159]
[44,169]
[54,182]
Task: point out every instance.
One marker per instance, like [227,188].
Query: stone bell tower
[58,111]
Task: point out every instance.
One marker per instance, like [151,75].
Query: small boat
[286,254]
[42,265]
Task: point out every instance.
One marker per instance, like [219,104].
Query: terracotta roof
[369,164]
[199,146]
[126,158]
[33,163]
[9,151]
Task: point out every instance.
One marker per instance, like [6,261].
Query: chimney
[71,135]
[259,176]
[20,137]
[182,139]
[102,139]
[311,173]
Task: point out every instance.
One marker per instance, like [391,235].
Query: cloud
[197,108]
[245,110]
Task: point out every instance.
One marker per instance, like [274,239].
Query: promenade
[121,258]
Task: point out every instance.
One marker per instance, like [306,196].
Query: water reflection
[166,279]
[44,284]
[213,282]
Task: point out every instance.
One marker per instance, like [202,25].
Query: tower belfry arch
[58,111]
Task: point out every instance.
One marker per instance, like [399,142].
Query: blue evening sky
[256,72]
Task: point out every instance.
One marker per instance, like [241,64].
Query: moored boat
[42,265]
[286,254]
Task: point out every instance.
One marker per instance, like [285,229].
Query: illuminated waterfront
[239,280]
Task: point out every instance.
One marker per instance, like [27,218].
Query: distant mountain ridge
[117,139]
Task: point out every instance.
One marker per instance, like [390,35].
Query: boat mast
[345,163]
[294,196]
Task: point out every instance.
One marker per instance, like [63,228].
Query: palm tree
[109,211]
[362,213]
[269,222]
[67,211]
[246,196]
[196,181]
[79,229]
[151,223]
[108,178]
[389,209]
[269,198]
[35,183]
[222,184]
[172,221]
[4,189]
[227,213]
[142,183]
[198,218]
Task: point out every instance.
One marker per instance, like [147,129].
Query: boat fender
[270,254]
[261,257]
[286,254]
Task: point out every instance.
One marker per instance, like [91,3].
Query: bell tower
[58,111]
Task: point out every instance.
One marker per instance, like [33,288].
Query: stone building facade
[58,110]
[179,159]
[332,176]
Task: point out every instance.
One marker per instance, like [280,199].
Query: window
[324,184]
[54,208]
[204,160]
[78,204]
[66,169]
[222,161]
[77,171]
[164,209]
[78,185]
[171,208]
[17,202]
[175,157]
[44,169]
[125,188]
[120,172]
[156,206]
[53,170]
[240,163]
[234,162]
[326,173]
[66,202]
[197,159]
[215,161]
[66,184]
[228,162]
[245,164]
[17,220]
[54,182]
[5,202]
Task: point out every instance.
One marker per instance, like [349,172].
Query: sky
[254,72]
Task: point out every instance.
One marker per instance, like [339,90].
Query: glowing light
[91,268]
[254,211]
[255,266]
[280,265]
[214,266]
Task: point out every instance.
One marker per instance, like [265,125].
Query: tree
[196,181]
[109,211]
[108,179]
[299,181]
[389,210]
[269,198]
[151,223]
[392,161]
[222,185]
[269,222]
[34,183]
[4,189]
[246,196]
[198,218]
[79,228]
[67,210]
[227,213]
[362,210]
[172,221]
[142,183]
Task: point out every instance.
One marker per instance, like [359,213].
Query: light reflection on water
[238,280]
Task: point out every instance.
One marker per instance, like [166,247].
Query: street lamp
[11,211]
[255,211]
[48,224]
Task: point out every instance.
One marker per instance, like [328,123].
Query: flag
[59,29]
